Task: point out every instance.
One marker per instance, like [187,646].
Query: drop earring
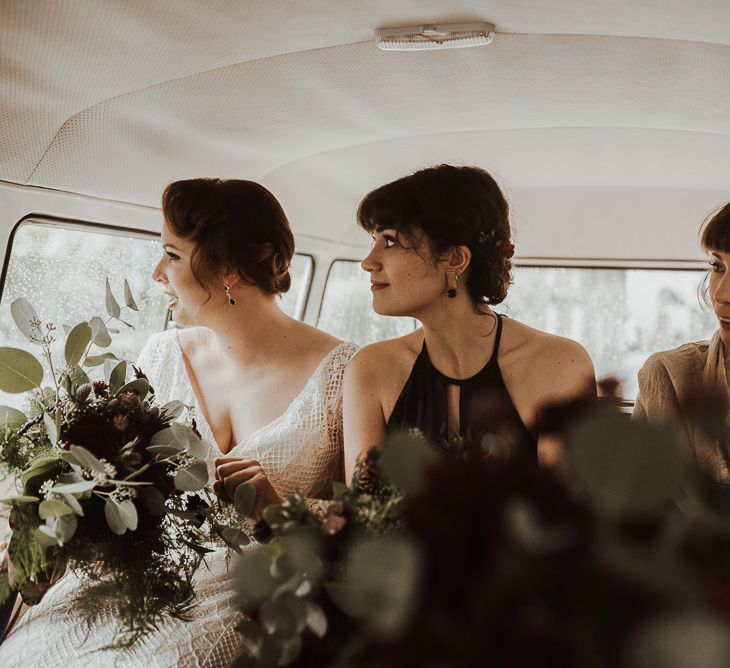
[231,300]
[452,280]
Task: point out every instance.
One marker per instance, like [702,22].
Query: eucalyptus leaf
[128,511]
[173,409]
[73,503]
[74,487]
[316,619]
[405,458]
[380,582]
[19,500]
[19,371]
[163,451]
[69,457]
[182,437]
[99,333]
[96,360]
[244,498]
[38,467]
[24,314]
[51,429]
[627,467]
[117,377]
[45,536]
[11,417]
[235,538]
[128,297]
[76,343]
[112,307]
[138,385]
[114,517]
[192,477]
[64,527]
[53,508]
[86,459]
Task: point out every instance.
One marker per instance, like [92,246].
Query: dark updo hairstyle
[715,236]
[236,226]
[453,206]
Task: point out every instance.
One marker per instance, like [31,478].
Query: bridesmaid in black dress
[441,254]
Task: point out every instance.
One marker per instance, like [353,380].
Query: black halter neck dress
[485,405]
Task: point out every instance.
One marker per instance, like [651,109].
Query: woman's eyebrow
[171,246]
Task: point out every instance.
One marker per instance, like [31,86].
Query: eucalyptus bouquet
[623,561]
[109,484]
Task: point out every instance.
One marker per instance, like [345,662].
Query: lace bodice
[300,450]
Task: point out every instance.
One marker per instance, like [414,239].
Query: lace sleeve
[334,393]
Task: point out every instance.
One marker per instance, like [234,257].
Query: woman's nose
[369,262]
[157,274]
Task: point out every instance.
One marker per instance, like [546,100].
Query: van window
[61,270]
[294,300]
[620,315]
[347,308]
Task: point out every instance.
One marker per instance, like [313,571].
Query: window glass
[294,300]
[347,308]
[62,273]
[621,316]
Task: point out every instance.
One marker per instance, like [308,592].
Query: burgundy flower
[101,389]
[129,400]
[336,519]
[121,422]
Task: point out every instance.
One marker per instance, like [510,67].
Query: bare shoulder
[548,355]
[387,359]
[313,340]
[194,340]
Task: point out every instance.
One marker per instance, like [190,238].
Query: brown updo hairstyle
[236,226]
[453,206]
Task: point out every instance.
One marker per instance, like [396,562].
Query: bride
[264,390]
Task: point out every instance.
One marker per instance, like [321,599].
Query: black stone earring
[231,300]
[452,281]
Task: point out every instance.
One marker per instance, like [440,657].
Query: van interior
[607,125]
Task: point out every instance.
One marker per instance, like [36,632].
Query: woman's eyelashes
[389,241]
[171,256]
[716,266]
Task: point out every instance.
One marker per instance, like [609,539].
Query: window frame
[68,224]
[114,230]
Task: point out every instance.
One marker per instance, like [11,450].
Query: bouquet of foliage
[110,484]
[622,561]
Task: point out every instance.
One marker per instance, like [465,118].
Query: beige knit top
[668,378]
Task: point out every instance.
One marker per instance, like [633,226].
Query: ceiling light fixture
[447,36]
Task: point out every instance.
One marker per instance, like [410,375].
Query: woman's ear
[232,278]
[458,259]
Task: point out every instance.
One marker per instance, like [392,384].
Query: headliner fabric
[116,99]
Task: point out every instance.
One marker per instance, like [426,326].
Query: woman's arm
[567,375]
[362,408]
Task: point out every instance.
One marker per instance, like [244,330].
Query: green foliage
[78,340]
[96,496]
[19,371]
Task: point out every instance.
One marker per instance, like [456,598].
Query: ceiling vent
[447,36]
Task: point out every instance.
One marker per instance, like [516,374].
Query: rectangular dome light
[447,36]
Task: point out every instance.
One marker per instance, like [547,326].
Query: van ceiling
[605,122]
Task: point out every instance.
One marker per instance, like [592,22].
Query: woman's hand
[230,472]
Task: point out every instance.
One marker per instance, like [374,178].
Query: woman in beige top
[670,380]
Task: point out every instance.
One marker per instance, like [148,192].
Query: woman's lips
[724,322]
[378,286]
[173,301]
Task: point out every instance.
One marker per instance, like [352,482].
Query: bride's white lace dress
[300,451]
